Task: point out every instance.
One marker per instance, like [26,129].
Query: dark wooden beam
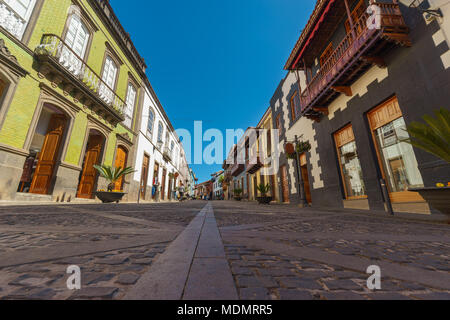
[343,89]
[323,110]
[314,118]
[375,60]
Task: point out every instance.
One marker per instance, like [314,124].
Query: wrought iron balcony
[167,154]
[361,48]
[61,65]
[254,164]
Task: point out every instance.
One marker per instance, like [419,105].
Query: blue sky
[215,61]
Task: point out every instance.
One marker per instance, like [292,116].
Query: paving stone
[135,268]
[242,271]
[94,278]
[347,295]
[388,296]
[293,282]
[32,293]
[145,262]
[433,296]
[349,275]
[276,272]
[113,261]
[128,279]
[31,268]
[252,282]
[95,293]
[138,256]
[342,285]
[254,294]
[78,261]
[289,294]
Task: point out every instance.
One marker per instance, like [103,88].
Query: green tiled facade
[19,114]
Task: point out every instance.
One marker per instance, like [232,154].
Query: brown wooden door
[89,176]
[284,184]
[121,162]
[47,157]
[163,185]
[170,188]
[305,178]
[144,176]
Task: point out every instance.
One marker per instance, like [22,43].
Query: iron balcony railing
[356,41]
[53,46]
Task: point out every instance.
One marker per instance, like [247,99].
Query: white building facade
[161,166]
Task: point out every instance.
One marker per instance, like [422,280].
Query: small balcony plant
[112,175]
[433,136]
[264,189]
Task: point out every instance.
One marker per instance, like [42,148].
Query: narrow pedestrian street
[219,250]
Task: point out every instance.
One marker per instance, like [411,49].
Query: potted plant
[264,190]
[112,175]
[433,136]
[238,194]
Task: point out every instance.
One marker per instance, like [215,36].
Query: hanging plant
[303,146]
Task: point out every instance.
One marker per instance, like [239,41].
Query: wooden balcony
[254,164]
[360,49]
[64,68]
[237,169]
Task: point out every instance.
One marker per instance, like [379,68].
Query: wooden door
[284,184]
[48,155]
[121,162]
[306,186]
[163,185]
[144,176]
[273,187]
[89,175]
[170,188]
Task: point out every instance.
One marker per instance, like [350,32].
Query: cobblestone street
[219,250]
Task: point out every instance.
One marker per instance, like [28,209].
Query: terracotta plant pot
[264,200]
[110,197]
[437,198]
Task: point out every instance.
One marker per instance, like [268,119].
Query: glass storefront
[350,165]
[351,171]
[397,157]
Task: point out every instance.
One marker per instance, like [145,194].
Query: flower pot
[264,200]
[438,198]
[110,197]
[238,198]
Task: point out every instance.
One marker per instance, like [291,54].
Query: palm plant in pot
[238,194]
[264,190]
[433,136]
[112,175]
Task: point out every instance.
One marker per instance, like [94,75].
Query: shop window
[396,157]
[349,164]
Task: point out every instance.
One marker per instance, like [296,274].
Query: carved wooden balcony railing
[254,164]
[237,169]
[61,65]
[362,47]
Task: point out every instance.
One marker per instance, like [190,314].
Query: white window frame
[12,21]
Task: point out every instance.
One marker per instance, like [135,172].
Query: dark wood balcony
[237,169]
[63,67]
[254,164]
[360,49]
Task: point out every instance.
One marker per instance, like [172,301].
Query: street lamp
[301,187]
